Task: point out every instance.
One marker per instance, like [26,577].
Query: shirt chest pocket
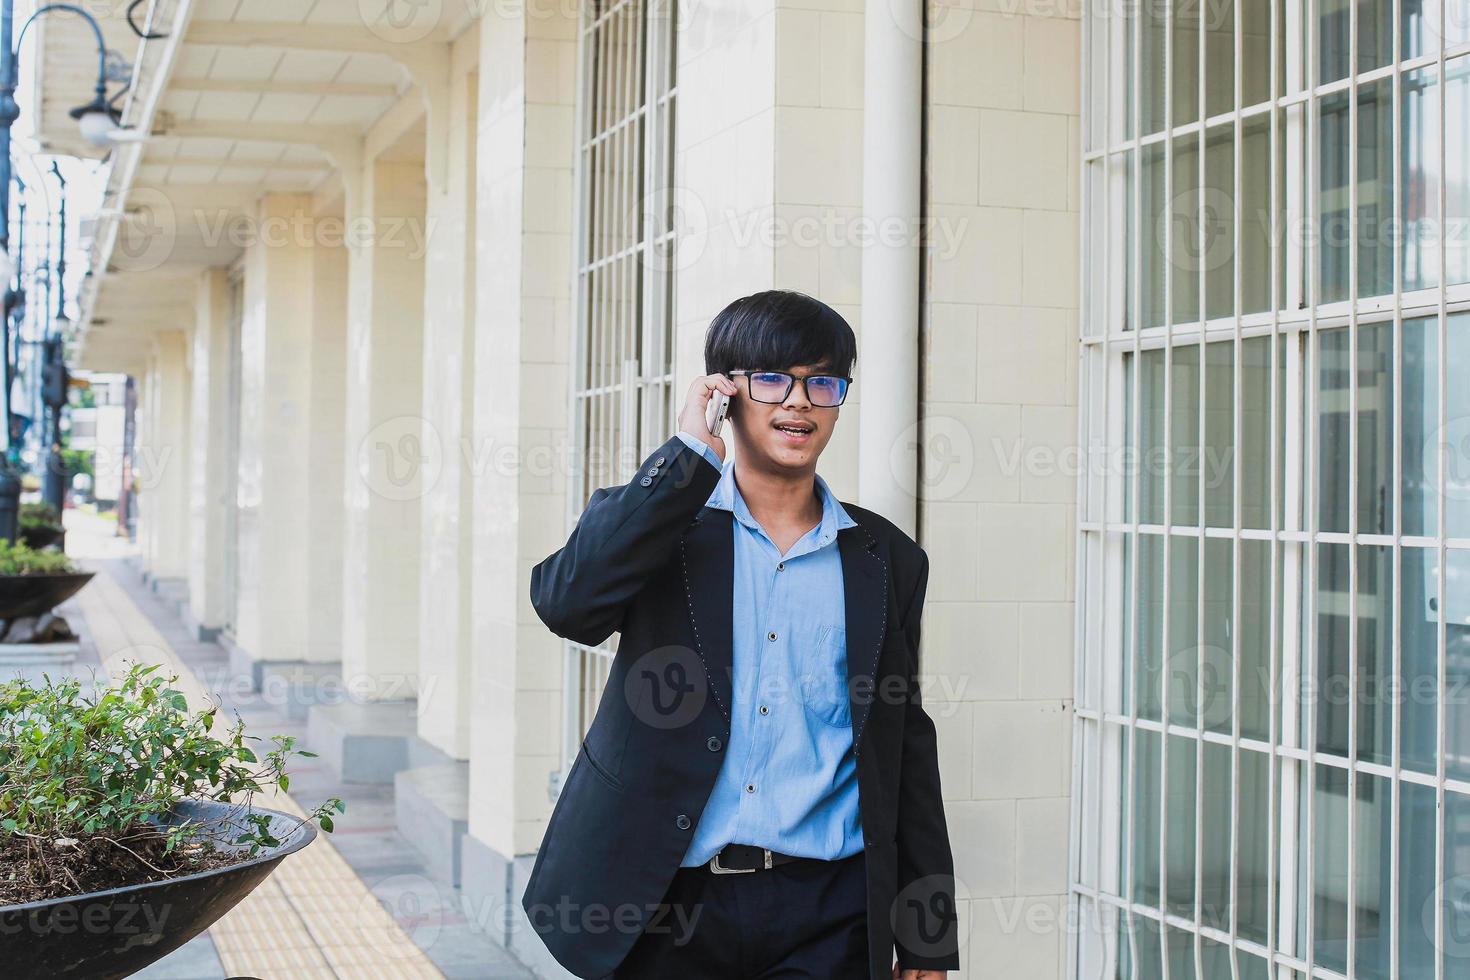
[823,679]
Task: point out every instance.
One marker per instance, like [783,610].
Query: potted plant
[127,826]
[40,525]
[35,582]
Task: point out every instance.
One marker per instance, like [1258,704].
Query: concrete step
[294,687]
[432,804]
[369,743]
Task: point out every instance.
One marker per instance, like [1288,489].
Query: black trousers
[806,919]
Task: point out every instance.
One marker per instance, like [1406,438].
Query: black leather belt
[739,859]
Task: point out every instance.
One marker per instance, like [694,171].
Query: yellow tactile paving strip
[313,917]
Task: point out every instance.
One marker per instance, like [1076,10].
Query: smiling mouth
[795,431]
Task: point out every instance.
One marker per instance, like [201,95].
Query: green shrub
[111,762]
[18,558]
[39,515]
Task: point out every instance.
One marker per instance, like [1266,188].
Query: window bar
[1201,437]
[602,180]
[1109,745]
[1167,481]
[1236,481]
[1395,785]
[1313,153]
[1278,458]
[637,189]
[651,417]
[1354,457]
[1130,649]
[1166,267]
[579,472]
[621,27]
[1441,481]
[606,380]
[1285,842]
[1081,634]
[1110,739]
[607,309]
[629,439]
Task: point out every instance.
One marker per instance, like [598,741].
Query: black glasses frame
[791,379]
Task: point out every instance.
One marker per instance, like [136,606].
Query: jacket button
[659,461]
[646,481]
[653,471]
[714,744]
[682,821]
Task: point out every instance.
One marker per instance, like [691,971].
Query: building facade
[401,284]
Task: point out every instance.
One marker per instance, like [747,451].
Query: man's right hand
[696,404]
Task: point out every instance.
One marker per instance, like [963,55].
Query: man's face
[790,435]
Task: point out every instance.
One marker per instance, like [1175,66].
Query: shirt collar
[726,496]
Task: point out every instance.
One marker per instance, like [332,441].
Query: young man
[758,793]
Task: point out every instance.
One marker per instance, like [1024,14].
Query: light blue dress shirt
[788,781]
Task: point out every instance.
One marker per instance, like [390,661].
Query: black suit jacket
[650,560]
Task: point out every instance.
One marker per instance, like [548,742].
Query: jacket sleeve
[926,924]
[625,534]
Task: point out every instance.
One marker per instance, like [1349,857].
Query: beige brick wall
[999,378]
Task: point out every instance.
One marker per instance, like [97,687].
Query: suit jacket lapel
[865,589]
[708,553]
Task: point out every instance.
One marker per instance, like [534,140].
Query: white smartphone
[715,412]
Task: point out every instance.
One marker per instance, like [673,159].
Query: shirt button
[750,787]
[780,566]
[771,635]
[765,709]
[682,821]
[714,744]
[646,481]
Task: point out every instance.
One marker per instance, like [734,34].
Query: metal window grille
[1272,741]
[623,399]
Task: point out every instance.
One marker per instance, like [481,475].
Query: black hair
[778,329]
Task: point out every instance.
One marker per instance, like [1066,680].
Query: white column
[275,390]
[523,273]
[211,479]
[445,594]
[326,447]
[384,450]
[161,459]
[891,167]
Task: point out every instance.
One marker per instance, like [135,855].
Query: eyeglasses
[772,387]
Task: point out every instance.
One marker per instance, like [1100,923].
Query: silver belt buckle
[719,869]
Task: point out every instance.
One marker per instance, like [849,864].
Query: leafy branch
[114,763]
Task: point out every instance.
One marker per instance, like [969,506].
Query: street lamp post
[55,379]
[96,119]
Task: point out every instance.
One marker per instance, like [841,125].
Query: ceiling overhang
[237,100]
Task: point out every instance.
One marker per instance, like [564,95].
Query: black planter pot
[32,595]
[39,536]
[112,934]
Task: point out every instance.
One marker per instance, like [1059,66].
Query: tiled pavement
[358,903]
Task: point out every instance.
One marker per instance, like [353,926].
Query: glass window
[1427,241]
[623,388]
[1293,537]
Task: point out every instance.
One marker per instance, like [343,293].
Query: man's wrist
[702,447]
